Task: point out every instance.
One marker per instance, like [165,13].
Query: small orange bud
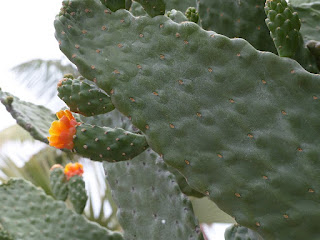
[73,169]
[62,131]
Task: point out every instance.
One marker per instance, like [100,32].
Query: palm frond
[42,75]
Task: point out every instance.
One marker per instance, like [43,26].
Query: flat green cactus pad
[241,125]
[58,184]
[77,193]
[33,118]
[177,16]
[235,18]
[84,97]
[310,20]
[147,194]
[237,232]
[28,214]
[137,10]
[153,7]
[113,119]
[107,144]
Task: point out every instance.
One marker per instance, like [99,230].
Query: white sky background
[26,33]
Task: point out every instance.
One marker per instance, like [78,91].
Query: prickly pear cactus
[33,118]
[192,14]
[108,144]
[153,7]
[84,97]
[284,25]
[237,232]
[143,189]
[235,124]
[222,110]
[237,18]
[58,183]
[26,213]
[77,193]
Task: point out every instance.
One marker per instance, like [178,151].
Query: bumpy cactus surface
[26,213]
[236,124]
[146,178]
[237,232]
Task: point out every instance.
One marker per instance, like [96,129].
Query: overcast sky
[26,33]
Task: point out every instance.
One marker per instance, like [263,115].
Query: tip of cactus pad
[56,166]
[73,169]
[62,131]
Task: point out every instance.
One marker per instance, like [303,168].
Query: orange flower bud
[62,131]
[72,169]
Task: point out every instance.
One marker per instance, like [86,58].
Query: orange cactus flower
[72,169]
[62,131]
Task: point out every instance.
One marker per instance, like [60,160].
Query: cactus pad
[176,16]
[310,19]
[235,18]
[113,119]
[284,25]
[77,193]
[153,7]
[114,5]
[143,190]
[237,232]
[58,183]
[230,118]
[28,214]
[84,97]
[33,118]
[107,144]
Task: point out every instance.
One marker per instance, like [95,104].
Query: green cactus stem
[58,183]
[237,232]
[192,14]
[77,193]
[33,118]
[114,5]
[176,16]
[234,18]
[153,7]
[84,97]
[107,144]
[148,194]
[284,25]
[27,213]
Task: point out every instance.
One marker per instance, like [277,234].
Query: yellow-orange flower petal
[62,131]
[72,169]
